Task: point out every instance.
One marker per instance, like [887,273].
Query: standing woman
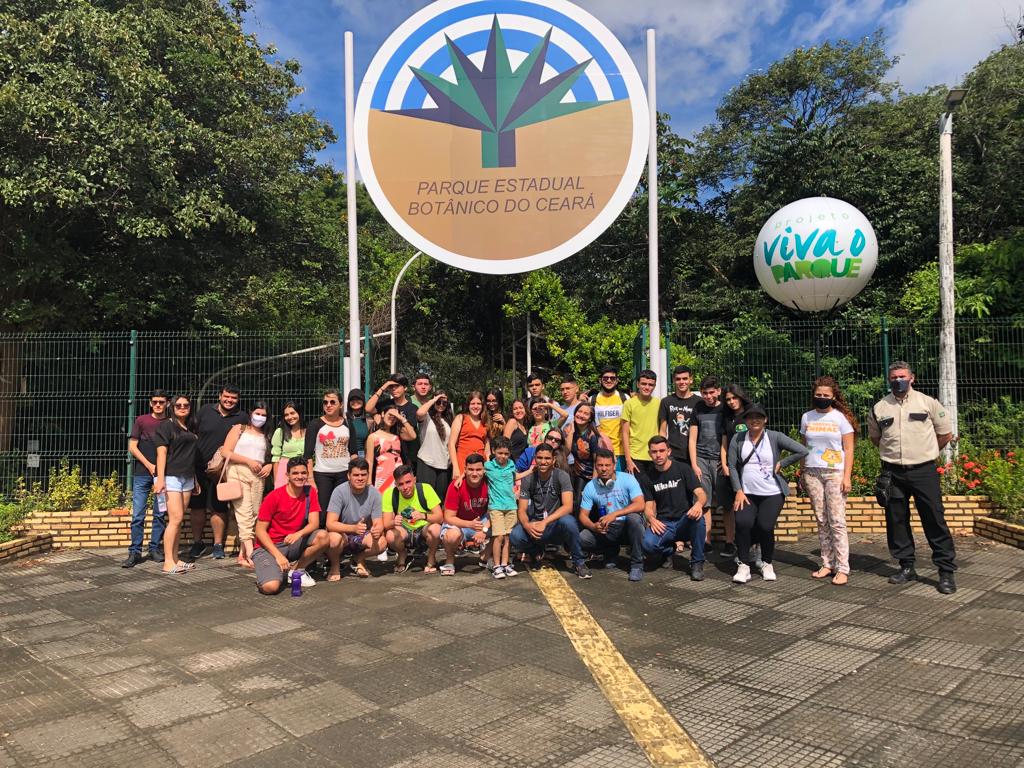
[583,439]
[542,420]
[829,432]
[247,451]
[755,467]
[288,442]
[515,428]
[384,449]
[327,450]
[736,404]
[359,426]
[470,434]
[176,451]
[433,462]
[494,400]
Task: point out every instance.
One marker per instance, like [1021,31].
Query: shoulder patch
[942,414]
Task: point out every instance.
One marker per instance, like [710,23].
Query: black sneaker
[582,571]
[133,559]
[536,563]
[156,555]
[697,572]
[729,550]
[196,550]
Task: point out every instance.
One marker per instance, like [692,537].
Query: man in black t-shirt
[213,422]
[675,412]
[674,507]
[394,391]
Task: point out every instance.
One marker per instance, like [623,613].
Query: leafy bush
[1004,484]
[64,489]
[105,493]
[11,515]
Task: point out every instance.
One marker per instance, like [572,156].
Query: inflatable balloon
[815,254]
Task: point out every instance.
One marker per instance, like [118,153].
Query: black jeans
[759,514]
[438,479]
[325,483]
[921,483]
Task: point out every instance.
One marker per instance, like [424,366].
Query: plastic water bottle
[161,503]
[296,583]
[602,510]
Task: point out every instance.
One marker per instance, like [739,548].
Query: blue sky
[705,47]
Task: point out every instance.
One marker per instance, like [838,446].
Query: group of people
[398,472]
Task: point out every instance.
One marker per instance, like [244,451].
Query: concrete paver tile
[309,709]
[59,738]
[220,739]
[169,705]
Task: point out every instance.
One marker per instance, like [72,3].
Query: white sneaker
[755,556]
[383,557]
[305,579]
[767,572]
[742,575]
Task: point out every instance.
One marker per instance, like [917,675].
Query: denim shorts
[180,484]
[467,533]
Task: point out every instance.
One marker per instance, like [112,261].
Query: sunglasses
[182,406]
[553,441]
[158,402]
[330,402]
[609,378]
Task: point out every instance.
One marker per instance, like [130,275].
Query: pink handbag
[228,490]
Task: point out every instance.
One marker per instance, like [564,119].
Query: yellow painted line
[660,736]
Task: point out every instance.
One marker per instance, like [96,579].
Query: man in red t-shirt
[465,513]
[286,532]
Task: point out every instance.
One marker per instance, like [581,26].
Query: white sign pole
[350,185]
[652,217]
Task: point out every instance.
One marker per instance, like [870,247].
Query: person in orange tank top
[470,434]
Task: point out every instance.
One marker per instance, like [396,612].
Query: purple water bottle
[296,583]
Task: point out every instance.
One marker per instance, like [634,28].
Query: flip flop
[430,569]
[178,568]
[447,569]
[822,573]
[402,567]
[334,577]
[843,576]
[360,571]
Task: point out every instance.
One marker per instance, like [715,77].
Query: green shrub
[1003,482]
[64,490]
[11,515]
[105,493]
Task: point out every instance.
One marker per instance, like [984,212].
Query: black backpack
[419,495]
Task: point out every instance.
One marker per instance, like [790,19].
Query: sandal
[822,573]
[178,568]
[840,579]
[360,571]
[447,569]
[402,567]
[430,569]
[334,576]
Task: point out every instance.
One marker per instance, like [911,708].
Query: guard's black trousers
[922,483]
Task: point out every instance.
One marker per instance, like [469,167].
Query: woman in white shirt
[247,451]
[433,463]
[828,431]
[755,472]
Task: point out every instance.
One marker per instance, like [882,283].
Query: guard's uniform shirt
[907,430]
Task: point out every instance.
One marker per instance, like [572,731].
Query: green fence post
[885,348]
[133,353]
[367,359]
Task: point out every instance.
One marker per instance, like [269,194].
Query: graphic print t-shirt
[824,435]
[468,503]
[608,415]
[676,412]
[331,451]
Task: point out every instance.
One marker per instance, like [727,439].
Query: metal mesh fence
[74,396]
[777,365]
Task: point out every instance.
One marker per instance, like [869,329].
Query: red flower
[969,465]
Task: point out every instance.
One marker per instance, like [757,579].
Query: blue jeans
[628,529]
[142,484]
[684,529]
[563,531]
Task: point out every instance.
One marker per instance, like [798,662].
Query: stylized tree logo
[496,100]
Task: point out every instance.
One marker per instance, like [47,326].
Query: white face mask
[257,420]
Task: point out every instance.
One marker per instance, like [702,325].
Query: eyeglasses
[158,402]
[554,441]
[182,406]
[330,402]
[609,378]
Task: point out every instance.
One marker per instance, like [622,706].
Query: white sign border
[604,219]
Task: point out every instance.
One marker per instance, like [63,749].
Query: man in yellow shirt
[640,424]
[608,403]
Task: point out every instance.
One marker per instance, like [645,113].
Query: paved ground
[106,667]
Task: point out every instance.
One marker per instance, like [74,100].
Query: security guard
[910,429]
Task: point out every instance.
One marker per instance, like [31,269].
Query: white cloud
[939,41]
[838,17]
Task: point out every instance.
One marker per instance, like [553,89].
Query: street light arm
[394,319]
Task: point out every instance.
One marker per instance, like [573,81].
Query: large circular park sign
[501,136]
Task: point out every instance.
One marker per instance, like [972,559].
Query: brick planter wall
[1000,530]
[108,528]
[111,528]
[28,546]
[864,516]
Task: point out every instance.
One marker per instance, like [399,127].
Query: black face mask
[823,402]
[899,387]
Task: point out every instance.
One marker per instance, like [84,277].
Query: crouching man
[286,532]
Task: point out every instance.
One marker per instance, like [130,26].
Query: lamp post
[947,295]
[394,316]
